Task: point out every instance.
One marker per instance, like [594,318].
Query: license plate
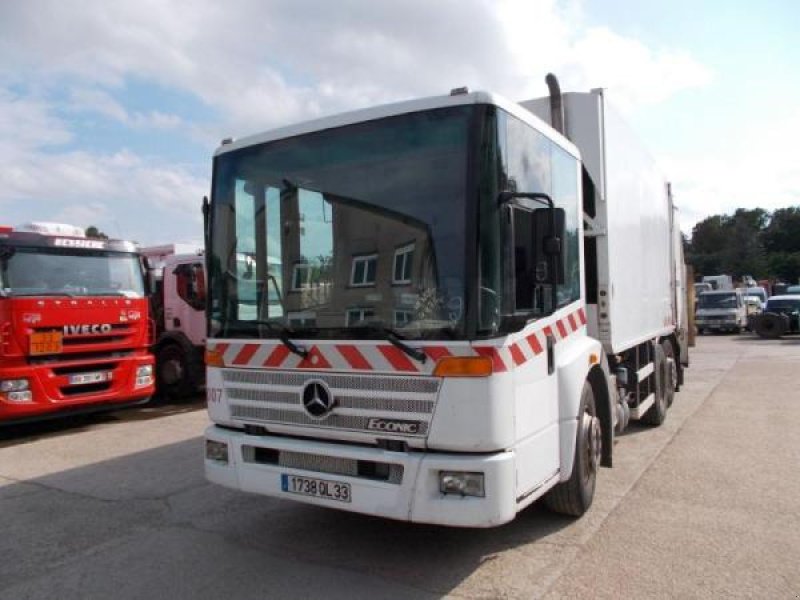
[46,342]
[317,488]
[93,377]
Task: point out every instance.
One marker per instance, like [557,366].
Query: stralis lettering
[87,329]
[407,427]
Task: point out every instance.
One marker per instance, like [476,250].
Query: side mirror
[548,230]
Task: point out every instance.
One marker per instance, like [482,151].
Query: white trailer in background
[178,297]
[468,305]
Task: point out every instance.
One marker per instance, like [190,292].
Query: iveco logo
[317,399]
[87,329]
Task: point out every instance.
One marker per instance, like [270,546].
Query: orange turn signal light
[463,366]
[214,358]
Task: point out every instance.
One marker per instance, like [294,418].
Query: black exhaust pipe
[556,107]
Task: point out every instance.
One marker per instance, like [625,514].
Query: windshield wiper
[395,340]
[283,336]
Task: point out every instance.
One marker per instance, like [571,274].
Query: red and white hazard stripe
[382,357]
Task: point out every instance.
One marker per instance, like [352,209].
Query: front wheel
[173,373]
[574,496]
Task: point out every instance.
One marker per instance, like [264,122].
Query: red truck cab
[75,328]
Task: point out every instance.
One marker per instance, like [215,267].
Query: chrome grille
[382,404]
[334,421]
[370,383]
[263,397]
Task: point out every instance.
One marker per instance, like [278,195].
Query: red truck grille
[117,335]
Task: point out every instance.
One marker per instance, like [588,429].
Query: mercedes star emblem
[317,399]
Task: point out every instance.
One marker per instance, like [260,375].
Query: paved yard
[705,506]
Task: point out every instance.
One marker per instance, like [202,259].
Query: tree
[94,232]
[730,244]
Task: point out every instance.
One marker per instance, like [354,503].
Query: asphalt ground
[116,506]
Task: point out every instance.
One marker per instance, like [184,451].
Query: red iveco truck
[74,323]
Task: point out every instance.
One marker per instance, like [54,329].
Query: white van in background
[721,310]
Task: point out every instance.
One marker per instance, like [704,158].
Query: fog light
[25,396]
[144,376]
[462,483]
[217,451]
[13,385]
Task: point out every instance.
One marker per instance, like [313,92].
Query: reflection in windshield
[717,301]
[344,232]
[36,271]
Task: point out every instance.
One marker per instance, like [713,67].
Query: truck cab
[178,298]
[74,323]
[721,310]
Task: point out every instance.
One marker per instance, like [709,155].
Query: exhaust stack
[556,107]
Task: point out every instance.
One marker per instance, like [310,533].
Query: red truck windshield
[49,272]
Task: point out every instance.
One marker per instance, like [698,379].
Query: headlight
[13,385]
[144,371]
[462,483]
[144,376]
[25,396]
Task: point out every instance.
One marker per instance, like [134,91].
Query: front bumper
[717,323]
[52,394]
[414,496]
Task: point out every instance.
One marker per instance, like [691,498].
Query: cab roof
[401,108]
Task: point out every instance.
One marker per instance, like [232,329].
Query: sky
[110,111]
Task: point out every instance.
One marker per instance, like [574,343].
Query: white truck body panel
[635,221]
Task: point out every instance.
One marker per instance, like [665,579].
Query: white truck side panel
[638,224]
[635,269]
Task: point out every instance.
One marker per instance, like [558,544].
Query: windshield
[49,272]
[717,300]
[783,305]
[345,232]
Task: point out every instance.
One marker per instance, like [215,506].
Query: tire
[771,325]
[574,496]
[672,371]
[173,375]
[657,413]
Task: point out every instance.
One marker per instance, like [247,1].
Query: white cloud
[756,167]
[264,64]
[99,101]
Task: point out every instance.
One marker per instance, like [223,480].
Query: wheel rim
[590,430]
[171,371]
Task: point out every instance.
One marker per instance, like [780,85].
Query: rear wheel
[574,496]
[658,412]
[672,371]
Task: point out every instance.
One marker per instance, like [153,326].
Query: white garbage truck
[450,306]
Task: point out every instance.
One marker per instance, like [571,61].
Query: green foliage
[748,242]
[94,232]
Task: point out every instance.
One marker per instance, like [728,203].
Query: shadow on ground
[145,523]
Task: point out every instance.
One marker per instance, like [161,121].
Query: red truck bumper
[67,387]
